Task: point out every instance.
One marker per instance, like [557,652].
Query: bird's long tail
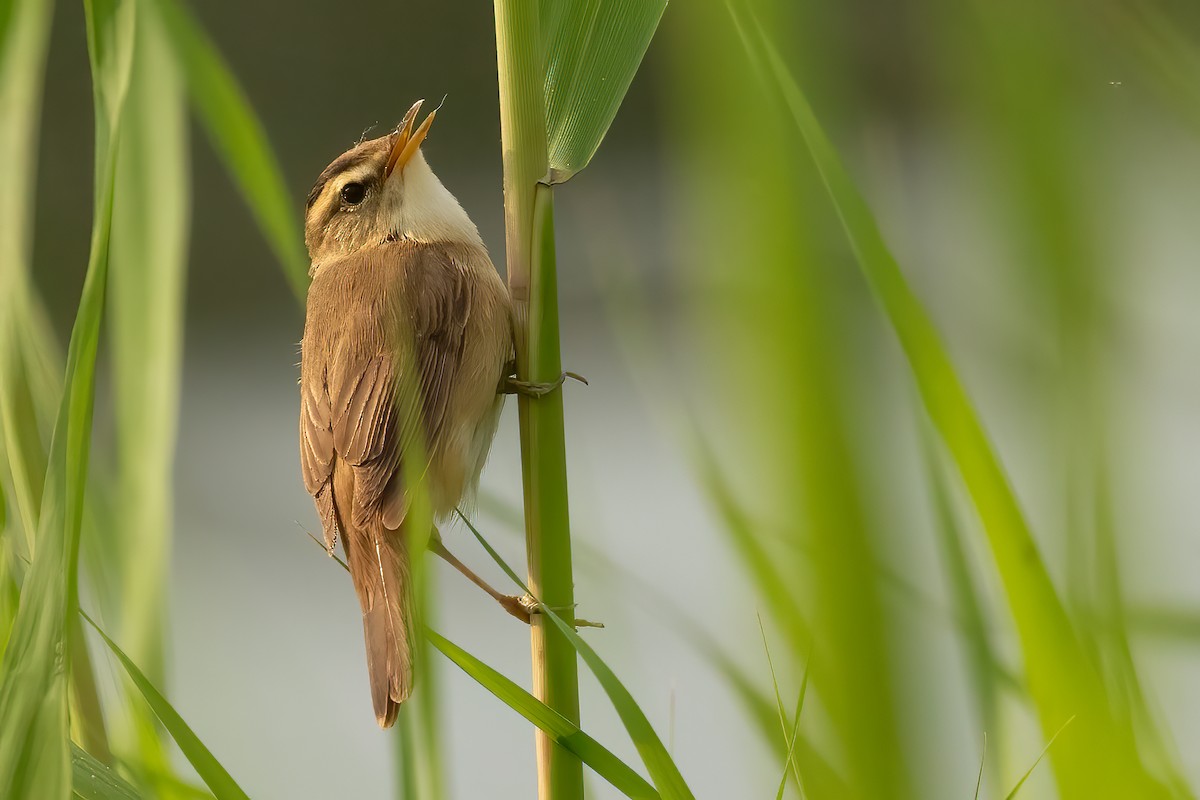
[379,566]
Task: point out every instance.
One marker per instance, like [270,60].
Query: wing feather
[383,324]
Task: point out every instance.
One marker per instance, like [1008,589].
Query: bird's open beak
[408,141]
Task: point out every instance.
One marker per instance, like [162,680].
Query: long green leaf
[592,50]
[93,780]
[824,781]
[239,139]
[23,43]
[149,247]
[967,596]
[563,731]
[1101,759]
[215,776]
[654,755]
[33,691]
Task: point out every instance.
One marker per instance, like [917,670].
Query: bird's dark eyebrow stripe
[351,159]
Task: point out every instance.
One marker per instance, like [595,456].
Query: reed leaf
[94,780]
[563,731]
[33,690]
[214,775]
[24,37]
[1100,758]
[666,776]
[149,256]
[592,50]
[239,139]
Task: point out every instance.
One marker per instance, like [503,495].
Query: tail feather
[379,566]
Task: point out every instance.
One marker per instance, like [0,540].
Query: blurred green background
[751,449]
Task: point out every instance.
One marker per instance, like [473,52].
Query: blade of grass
[566,733]
[982,762]
[149,247]
[766,568]
[214,775]
[658,761]
[563,731]
[1103,758]
[769,315]
[981,657]
[1037,761]
[824,780]
[33,692]
[93,780]
[789,761]
[591,52]
[779,710]
[239,139]
[418,738]
[23,44]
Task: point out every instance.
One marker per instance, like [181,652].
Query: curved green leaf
[200,757]
[658,761]
[239,139]
[561,730]
[1101,758]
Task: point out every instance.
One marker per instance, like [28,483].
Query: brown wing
[362,382]
[383,341]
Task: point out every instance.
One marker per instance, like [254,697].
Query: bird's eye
[353,193]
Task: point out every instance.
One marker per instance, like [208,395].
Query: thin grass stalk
[529,248]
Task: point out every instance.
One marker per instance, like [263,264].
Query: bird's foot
[523,607]
[526,606]
[511,385]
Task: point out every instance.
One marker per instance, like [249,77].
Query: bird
[406,348]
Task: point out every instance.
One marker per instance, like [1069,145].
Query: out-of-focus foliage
[780,123]
[34,761]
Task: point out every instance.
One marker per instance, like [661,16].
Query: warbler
[407,338]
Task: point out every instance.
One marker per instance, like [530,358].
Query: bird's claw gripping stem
[510,385]
[525,606]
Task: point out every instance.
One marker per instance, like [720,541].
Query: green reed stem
[529,245]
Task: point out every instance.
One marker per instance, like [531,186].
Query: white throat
[420,208]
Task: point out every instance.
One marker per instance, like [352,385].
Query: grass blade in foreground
[239,139]
[92,780]
[592,51]
[967,596]
[24,36]
[149,246]
[199,756]
[35,760]
[1099,758]
[562,730]
[1032,766]
[654,755]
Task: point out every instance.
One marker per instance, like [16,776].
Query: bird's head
[383,190]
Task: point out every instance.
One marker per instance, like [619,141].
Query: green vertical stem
[529,247]
[547,532]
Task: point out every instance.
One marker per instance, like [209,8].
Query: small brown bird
[407,335]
